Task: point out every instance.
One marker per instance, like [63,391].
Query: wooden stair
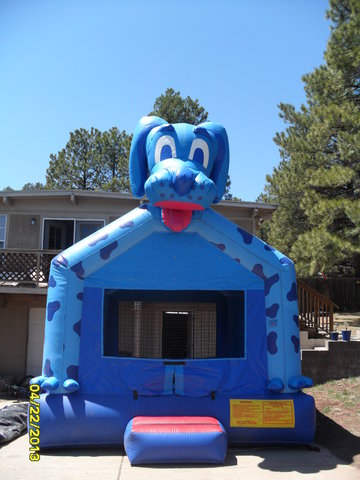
[316,312]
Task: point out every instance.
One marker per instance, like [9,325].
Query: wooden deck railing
[315,310]
[25,266]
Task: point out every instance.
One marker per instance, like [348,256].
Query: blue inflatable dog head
[180,167]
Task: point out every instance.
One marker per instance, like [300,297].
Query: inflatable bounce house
[172,331]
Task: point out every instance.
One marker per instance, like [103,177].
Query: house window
[173,325]
[60,234]
[85,228]
[2,230]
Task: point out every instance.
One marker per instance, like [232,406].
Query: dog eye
[165,148]
[199,152]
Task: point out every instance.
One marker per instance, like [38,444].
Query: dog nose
[183,179]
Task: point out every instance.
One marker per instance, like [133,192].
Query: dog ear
[138,159]
[220,169]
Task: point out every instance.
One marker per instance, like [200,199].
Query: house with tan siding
[34,227]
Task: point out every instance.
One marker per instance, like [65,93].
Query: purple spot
[80,296]
[106,251]
[271,312]
[202,187]
[247,237]
[271,343]
[269,282]
[52,282]
[60,260]
[269,248]
[77,327]
[162,195]
[144,206]
[193,187]
[190,197]
[296,320]
[52,308]
[162,184]
[199,198]
[296,342]
[237,260]
[292,295]
[220,246]
[63,346]
[78,269]
[131,224]
[73,371]
[47,369]
[258,270]
[172,195]
[97,239]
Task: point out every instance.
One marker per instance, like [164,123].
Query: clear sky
[66,64]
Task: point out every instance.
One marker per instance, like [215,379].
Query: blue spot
[80,296]
[271,343]
[271,312]
[97,239]
[292,295]
[73,371]
[166,152]
[77,327]
[269,248]
[220,246]
[60,260]
[285,261]
[52,308]
[63,346]
[269,282]
[52,282]
[237,260]
[296,342]
[47,368]
[247,237]
[296,320]
[131,224]
[78,269]
[106,251]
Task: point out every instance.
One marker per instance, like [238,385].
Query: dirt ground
[338,418]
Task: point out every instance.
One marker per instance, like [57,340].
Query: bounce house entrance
[175,334]
[174,325]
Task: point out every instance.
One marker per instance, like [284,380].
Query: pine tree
[317,183]
[78,164]
[173,108]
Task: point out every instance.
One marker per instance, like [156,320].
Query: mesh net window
[168,329]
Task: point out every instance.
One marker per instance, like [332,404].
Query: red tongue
[176,220]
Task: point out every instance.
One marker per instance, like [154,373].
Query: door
[35,344]
[175,334]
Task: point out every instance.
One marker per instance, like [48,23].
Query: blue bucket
[346,335]
[334,335]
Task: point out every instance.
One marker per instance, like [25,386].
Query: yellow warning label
[262,413]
